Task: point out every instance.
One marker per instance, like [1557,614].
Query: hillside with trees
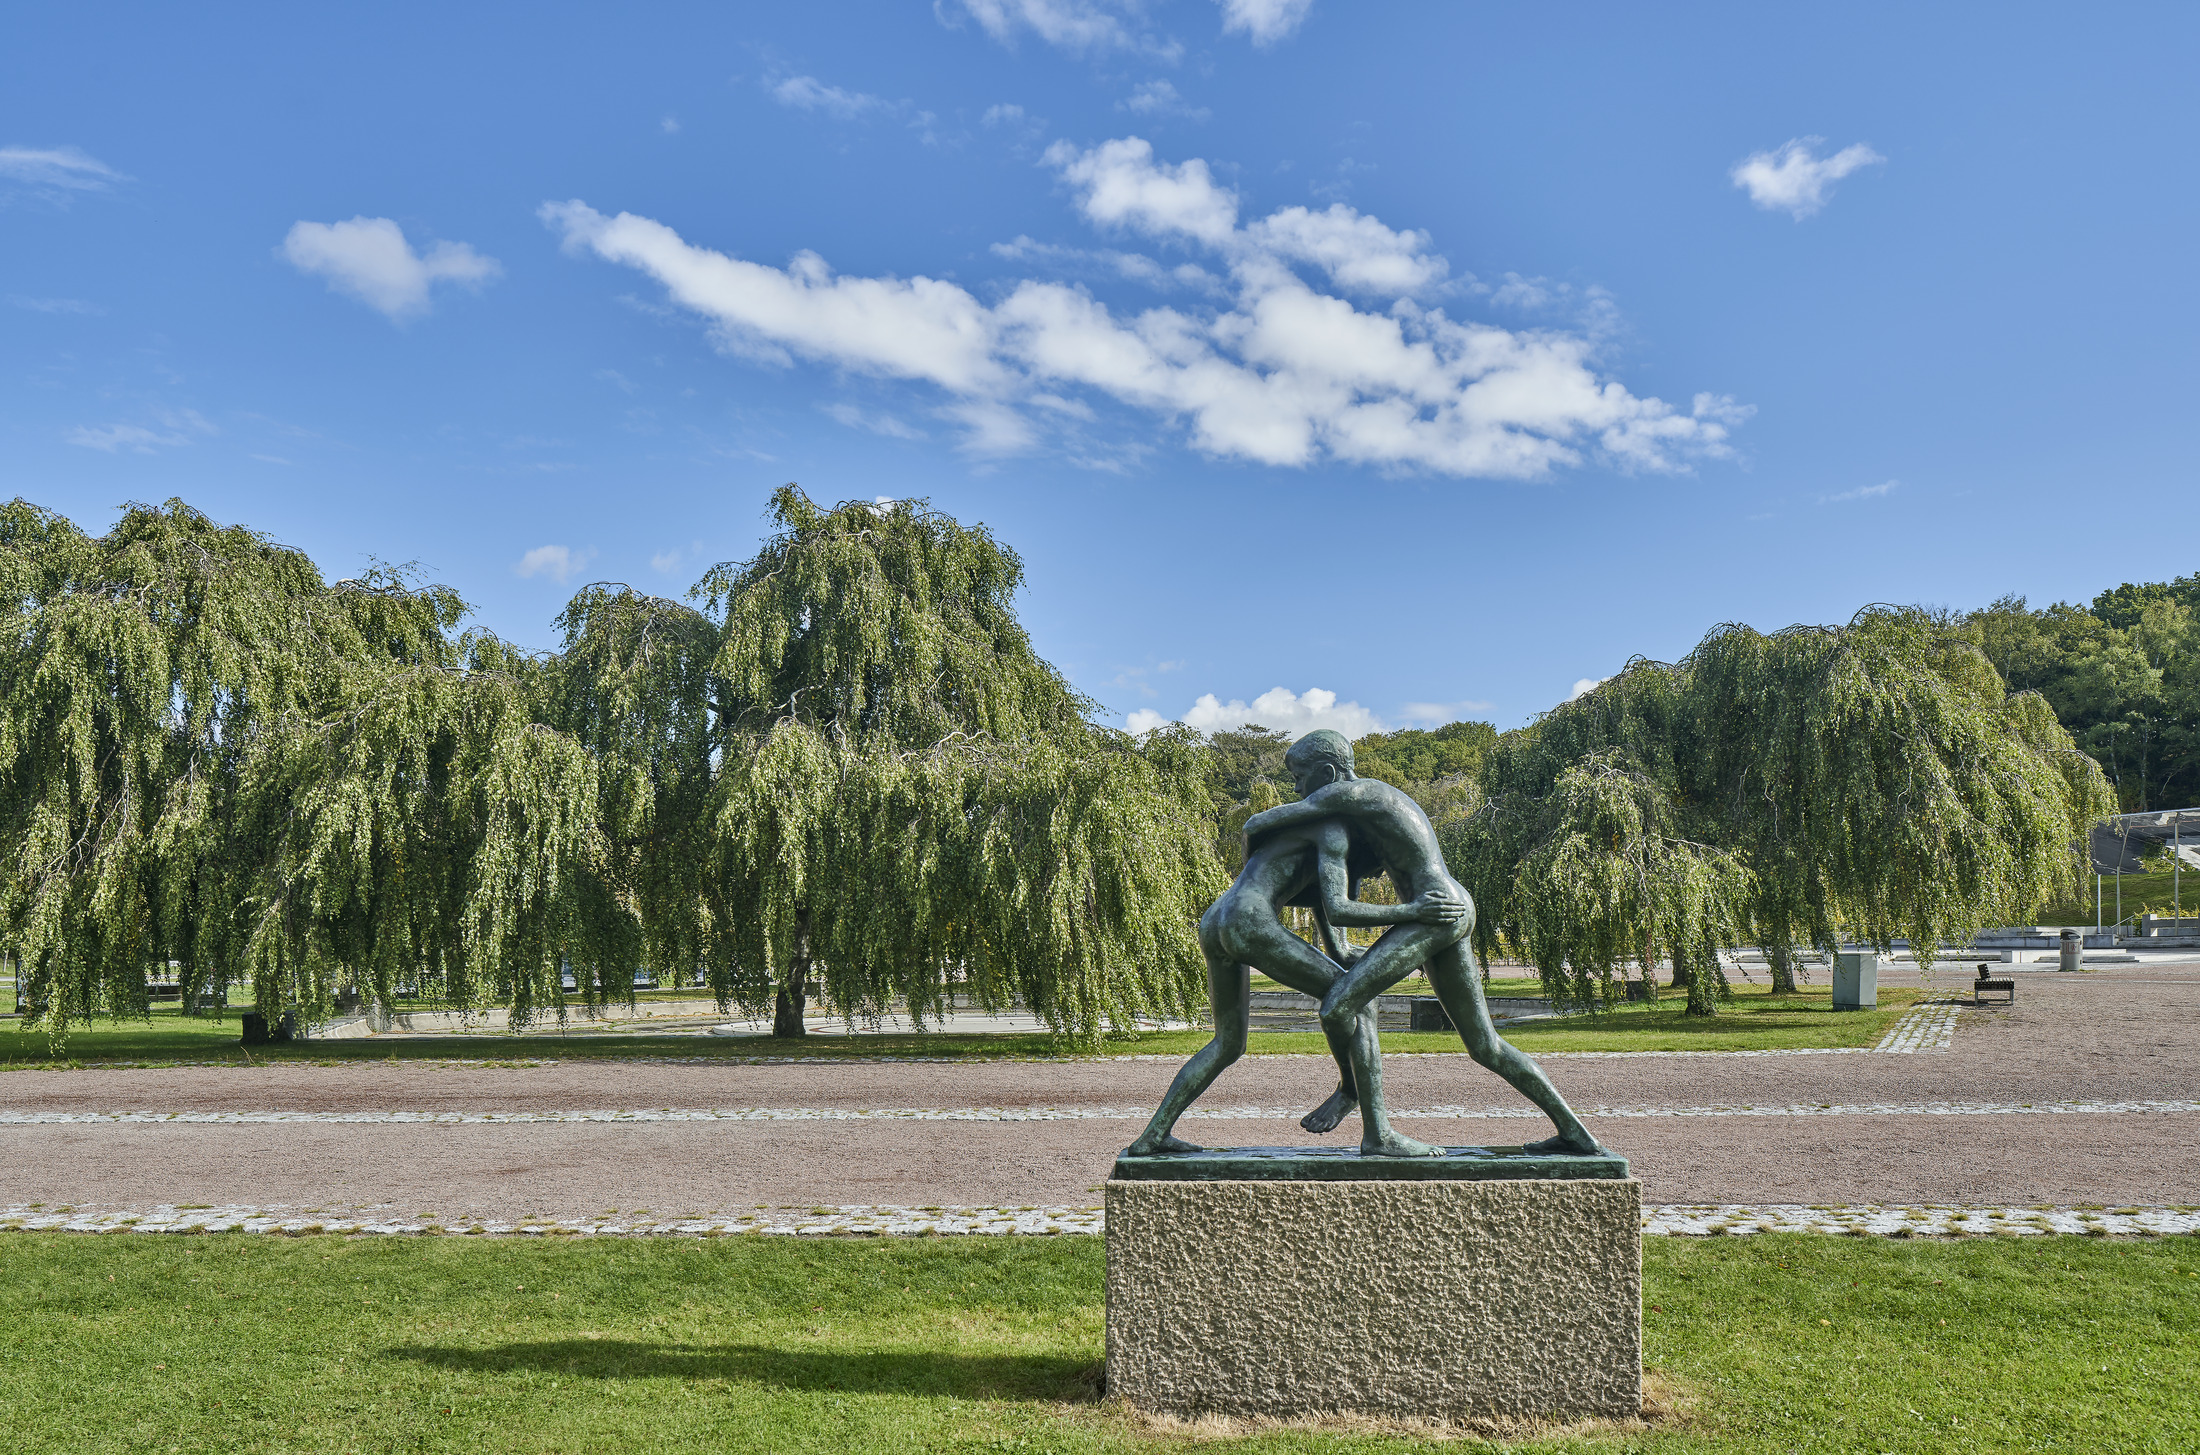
[2123,675]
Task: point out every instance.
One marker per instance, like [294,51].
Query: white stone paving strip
[1055,1114]
[1894,1220]
[1929,1220]
[1927,1027]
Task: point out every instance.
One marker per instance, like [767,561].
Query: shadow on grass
[899,1371]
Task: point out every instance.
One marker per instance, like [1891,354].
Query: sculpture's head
[1318,760]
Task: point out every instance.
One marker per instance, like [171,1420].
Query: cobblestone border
[1695,1220]
[1057,1114]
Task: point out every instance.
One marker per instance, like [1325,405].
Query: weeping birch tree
[220,766]
[840,769]
[1873,781]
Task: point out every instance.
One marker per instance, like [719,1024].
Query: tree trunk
[1781,957]
[1704,980]
[794,990]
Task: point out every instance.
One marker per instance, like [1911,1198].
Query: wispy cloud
[1078,26]
[672,562]
[369,259]
[1264,22]
[1794,179]
[54,305]
[53,173]
[559,563]
[1862,492]
[1159,99]
[169,428]
[885,424]
[1437,713]
[808,93]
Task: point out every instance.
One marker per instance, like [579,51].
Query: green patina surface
[1349,1164]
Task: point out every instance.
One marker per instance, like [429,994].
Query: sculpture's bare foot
[1561,1146]
[1394,1145]
[1158,1146]
[1324,1118]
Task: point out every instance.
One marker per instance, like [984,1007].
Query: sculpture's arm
[1438,906]
[1290,815]
[1340,949]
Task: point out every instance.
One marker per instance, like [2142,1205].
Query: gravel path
[2083,1093]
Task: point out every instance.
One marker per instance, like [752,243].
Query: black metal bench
[1982,987]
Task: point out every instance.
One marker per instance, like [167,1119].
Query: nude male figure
[1243,930]
[1393,826]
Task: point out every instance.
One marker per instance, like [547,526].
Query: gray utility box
[1855,979]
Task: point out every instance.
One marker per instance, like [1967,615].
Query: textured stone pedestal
[1409,1299]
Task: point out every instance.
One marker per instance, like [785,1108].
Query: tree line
[839,770]
[842,752]
[2123,674]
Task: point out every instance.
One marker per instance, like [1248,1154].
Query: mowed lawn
[135,1343]
[1754,1020]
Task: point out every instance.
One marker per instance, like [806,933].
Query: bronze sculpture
[1320,846]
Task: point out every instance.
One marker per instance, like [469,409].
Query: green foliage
[848,755]
[1873,780]
[1416,755]
[2124,677]
[217,761]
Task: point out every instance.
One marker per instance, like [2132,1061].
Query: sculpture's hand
[1440,907]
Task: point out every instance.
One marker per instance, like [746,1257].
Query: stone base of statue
[1292,1281]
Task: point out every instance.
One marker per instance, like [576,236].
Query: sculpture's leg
[1346,1098]
[1394,956]
[1230,991]
[1452,976]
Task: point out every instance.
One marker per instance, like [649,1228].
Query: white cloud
[1794,179]
[1159,98]
[670,125]
[559,563]
[1586,685]
[1862,492]
[807,93]
[369,258]
[1279,707]
[175,427]
[1285,374]
[1264,21]
[1004,114]
[57,171]
[885,424]
[1071,25]
[1121,186]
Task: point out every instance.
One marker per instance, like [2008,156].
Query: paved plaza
[2077,1108]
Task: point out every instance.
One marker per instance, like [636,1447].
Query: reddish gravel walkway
[2115,1035]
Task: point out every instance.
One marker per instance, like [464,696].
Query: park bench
[1983,987]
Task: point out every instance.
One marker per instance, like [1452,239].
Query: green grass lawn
[1415,985]
[253,1343]
[1754,1020]
[2158,893]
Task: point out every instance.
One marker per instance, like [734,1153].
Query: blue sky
[1415,360]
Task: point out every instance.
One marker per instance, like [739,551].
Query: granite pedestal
[1302,1281]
